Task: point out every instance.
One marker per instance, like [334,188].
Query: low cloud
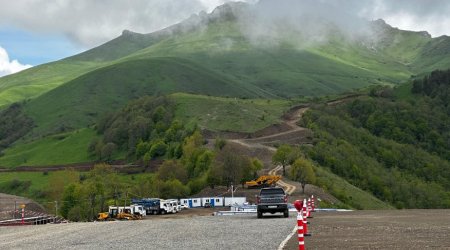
[89,23]
[10,67]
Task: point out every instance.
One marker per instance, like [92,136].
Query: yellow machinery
[263,181]
[127,216]
[103,216]
[124,214]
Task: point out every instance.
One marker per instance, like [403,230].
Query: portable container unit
[184,202]
[213,201]
[235,201]
[192,202]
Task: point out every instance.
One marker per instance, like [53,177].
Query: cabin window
[217,200]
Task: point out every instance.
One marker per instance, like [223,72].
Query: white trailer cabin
[213,201]
[192,202]
[229,201]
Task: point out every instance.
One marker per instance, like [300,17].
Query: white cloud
[89,23]
[10,67]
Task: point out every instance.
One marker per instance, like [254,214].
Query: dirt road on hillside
[295,134]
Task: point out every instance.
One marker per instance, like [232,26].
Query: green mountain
[211,54]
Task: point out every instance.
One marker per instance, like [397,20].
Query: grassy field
[229,114]
[53,150]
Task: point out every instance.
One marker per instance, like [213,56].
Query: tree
[235,167]
[159,148]
[171,170]
[70,197]
[108,151]
[302,171]
[284,156]
[256,166]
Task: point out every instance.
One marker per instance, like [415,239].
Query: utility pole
[92,206]
[56,211]
[232,194]
[125,201]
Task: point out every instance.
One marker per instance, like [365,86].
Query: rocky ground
[188,232]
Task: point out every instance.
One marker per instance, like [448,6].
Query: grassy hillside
[82,101]
[63,148]
[229,114]
[37,80]
[219,46]
[212,113]
[209,55]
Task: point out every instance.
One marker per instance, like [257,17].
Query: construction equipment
[133,212]
[103,216]
[263,181]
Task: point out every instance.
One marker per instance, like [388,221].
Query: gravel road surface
[200,232]
[392,229]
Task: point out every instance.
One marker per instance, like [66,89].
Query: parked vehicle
[176,205]
[272,200]
[132,212]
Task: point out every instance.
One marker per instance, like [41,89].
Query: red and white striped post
[313,205]
[305,222]
[300,232]
[309,208]
[23,213]
[300,227]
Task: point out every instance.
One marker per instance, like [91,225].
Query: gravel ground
[393,229]
[199,232]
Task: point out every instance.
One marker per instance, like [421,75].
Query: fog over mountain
[90,23]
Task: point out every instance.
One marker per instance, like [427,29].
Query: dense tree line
[14,124]
[420,123]
[435,85]
[399,151]
[145,129]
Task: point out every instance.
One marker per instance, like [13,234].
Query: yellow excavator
[263,181]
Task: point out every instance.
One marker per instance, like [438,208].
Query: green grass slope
[63,148]
[229,114]
[82,101]
[212,113]
[40,79]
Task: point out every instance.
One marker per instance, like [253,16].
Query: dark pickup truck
[272,200]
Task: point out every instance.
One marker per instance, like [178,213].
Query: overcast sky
[38,31]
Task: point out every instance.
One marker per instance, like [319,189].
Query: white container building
[213,201]
[192,202]
[229,201]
